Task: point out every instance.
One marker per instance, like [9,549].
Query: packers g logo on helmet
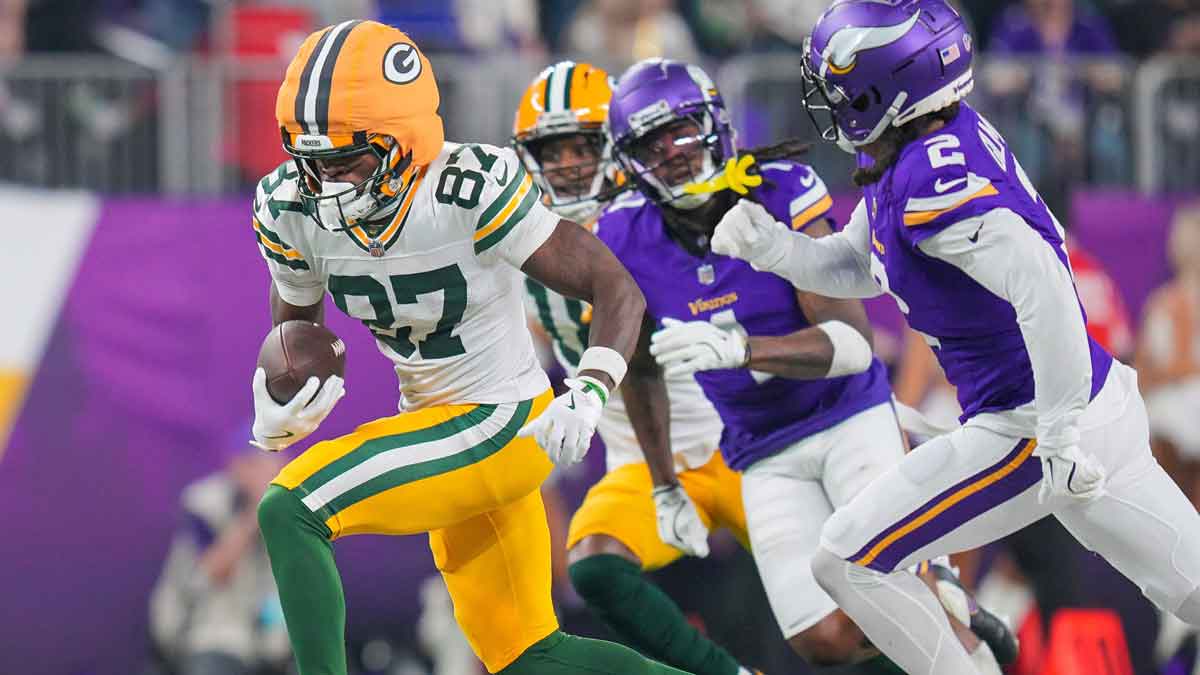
[568,99]
[333,105]
[401,63]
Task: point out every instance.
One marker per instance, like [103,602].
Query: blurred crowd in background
[1087,91]
[175,97]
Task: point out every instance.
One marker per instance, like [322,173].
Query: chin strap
[736,177]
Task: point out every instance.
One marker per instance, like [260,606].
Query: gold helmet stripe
[317,71]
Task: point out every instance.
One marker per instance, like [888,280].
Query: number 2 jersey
[955,174]
[443,295]
[762,413]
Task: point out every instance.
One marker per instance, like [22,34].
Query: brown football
[297,350]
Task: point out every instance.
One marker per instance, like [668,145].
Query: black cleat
[986,626]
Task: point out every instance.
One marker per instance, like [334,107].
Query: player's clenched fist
[565,429]
[748,232]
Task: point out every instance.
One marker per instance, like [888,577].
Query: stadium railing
[205,126]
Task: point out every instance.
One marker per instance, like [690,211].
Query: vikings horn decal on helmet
[871,64]
[354,88]
[670,127]
[568,101]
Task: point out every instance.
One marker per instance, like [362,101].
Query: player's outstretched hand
[277,426]
[1070,472]
[565,429]
[747,231]
[679,523]
[684,347]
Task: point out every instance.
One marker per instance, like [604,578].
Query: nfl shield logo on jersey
[706,274]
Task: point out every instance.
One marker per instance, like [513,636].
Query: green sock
[562,654]
[310,588]
[644,616]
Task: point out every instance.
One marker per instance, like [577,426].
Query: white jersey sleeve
[1017,264]
[509,220]
[837,266]
[283,245]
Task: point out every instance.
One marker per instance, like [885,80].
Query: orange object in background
[262,39]
[1087,642]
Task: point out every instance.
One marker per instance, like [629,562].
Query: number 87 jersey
[439,285]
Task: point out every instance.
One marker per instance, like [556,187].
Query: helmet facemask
[821,97]
[339,205]
[579,190]
[682,148]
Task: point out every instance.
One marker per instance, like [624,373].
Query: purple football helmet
[669,127]
[871,64]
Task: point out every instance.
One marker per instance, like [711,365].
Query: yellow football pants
[459,473]
[621,506]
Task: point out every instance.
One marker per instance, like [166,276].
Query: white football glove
[1070,472]
[679,524]
[278,426]
[684,347]
[747,231]
[565,428]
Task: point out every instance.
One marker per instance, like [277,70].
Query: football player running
[422,240]
[806,407]
[558,133]
[952,228]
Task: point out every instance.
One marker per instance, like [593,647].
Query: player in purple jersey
[806,408]
[951,227]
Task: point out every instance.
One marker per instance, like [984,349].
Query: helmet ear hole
[861,102]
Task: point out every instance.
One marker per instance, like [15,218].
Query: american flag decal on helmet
[949,54]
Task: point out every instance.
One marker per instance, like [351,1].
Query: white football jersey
[695,425]
[440,287]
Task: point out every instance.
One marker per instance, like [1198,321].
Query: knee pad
[601,579]
[827,568]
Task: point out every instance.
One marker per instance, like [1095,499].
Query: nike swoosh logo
[942,187]
[808,180]
[975,237]
[286,434]
[503,179]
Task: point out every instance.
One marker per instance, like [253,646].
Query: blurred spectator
[12,29]
[1168,357]
[1148,27]
[1051,26]
[1168,364]
[1052,127]
[214,610]
[625,31]
[465,25]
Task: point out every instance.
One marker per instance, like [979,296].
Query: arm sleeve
[294,273]
[511,222]
[837,266]
[1010,259]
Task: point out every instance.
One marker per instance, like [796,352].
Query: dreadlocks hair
[893,140]
[788,148]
